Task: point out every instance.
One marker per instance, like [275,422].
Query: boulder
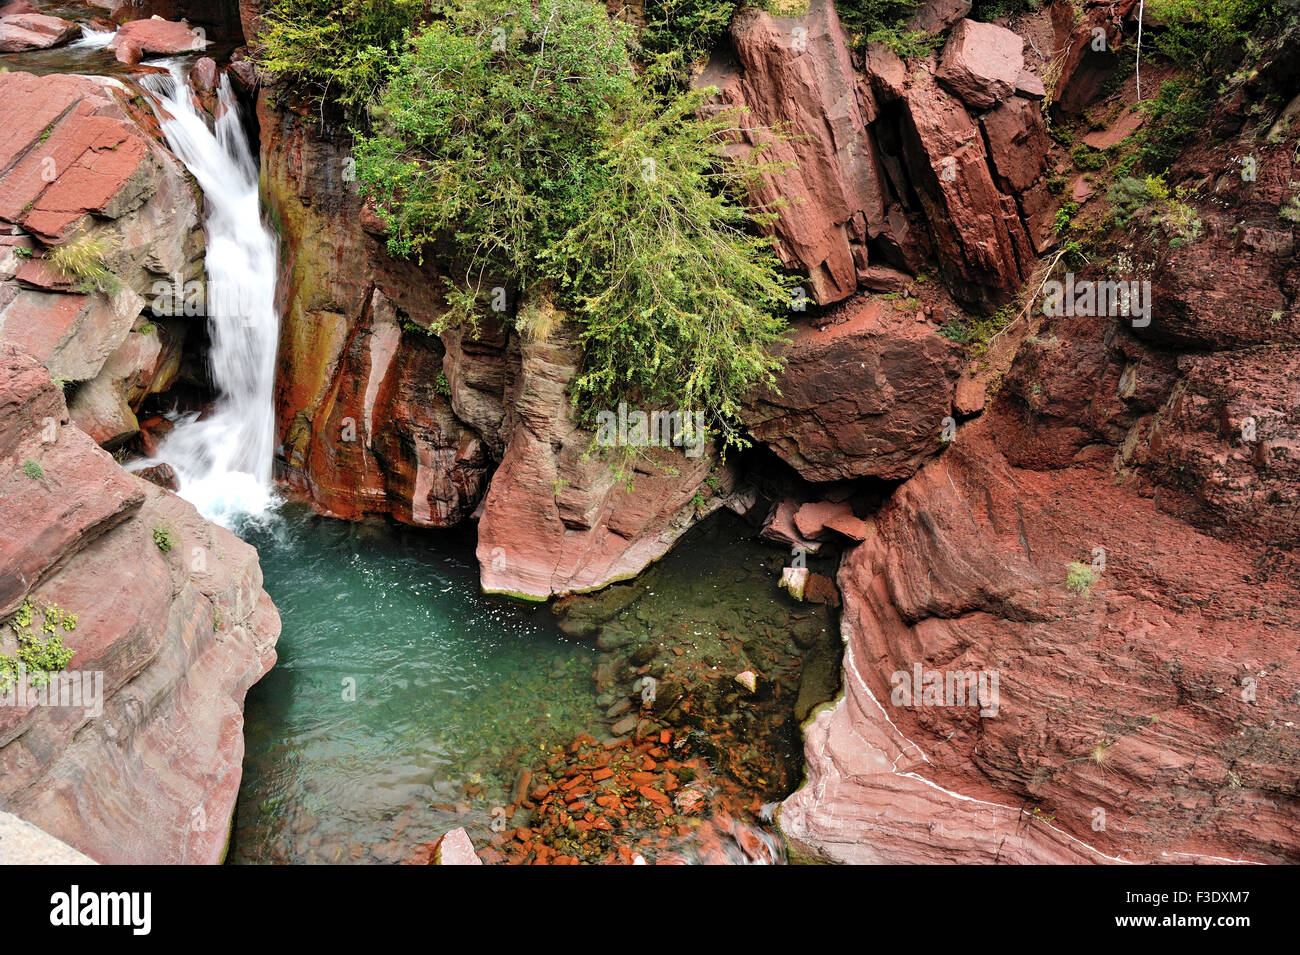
[138,38]
[981,63]
[863,398]
[21,31]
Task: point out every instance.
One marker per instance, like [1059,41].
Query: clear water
[455,692]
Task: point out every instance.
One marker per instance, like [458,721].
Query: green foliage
[163,537]
[1206,33]
[552,168]
[1175,117]
[83,258]
[340,48]
[1290,210]
[1148,200]
[689,28]
[907,44]
[34,470]
[1087,158]
[988,10]
[977,332]
[1080,577]
[41,656]
[863,18]
[22,252]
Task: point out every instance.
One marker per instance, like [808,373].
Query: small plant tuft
[163,537]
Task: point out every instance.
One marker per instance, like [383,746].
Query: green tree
[522,148]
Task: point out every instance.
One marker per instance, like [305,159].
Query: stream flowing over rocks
[987,585]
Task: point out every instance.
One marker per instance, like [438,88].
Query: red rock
[964,550]
[20,31]
[935,16]
[780,527]
[137,38]
[1030,86]
[863,398]
[882,278]
[981,63]
[455,848]
[987,257]
[70,528]
[811,519]
[809,88]
[654,796]
[164,475]
[555,520]
[970,396]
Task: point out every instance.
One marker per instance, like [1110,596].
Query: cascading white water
[223,458]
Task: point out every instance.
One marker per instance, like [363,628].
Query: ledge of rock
[150,776]
[34,31]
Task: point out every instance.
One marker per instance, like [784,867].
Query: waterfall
[223,457]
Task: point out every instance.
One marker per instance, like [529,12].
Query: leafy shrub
[907,44]
[688,27]
[41,656]
[862,18]
[340,48]
[549,166]
[1175,117]
[1087,158]
[1206,32]
[996,9]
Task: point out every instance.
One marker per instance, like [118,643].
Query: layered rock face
[378,416]
[363,410]
[888,165]
[1145,720]
[82,174]
[1115,541]
[167,642]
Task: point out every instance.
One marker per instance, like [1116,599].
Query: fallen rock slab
[20,32]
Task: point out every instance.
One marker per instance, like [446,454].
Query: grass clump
[1080,577]
[83,258]
[594,193]
[33,470]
